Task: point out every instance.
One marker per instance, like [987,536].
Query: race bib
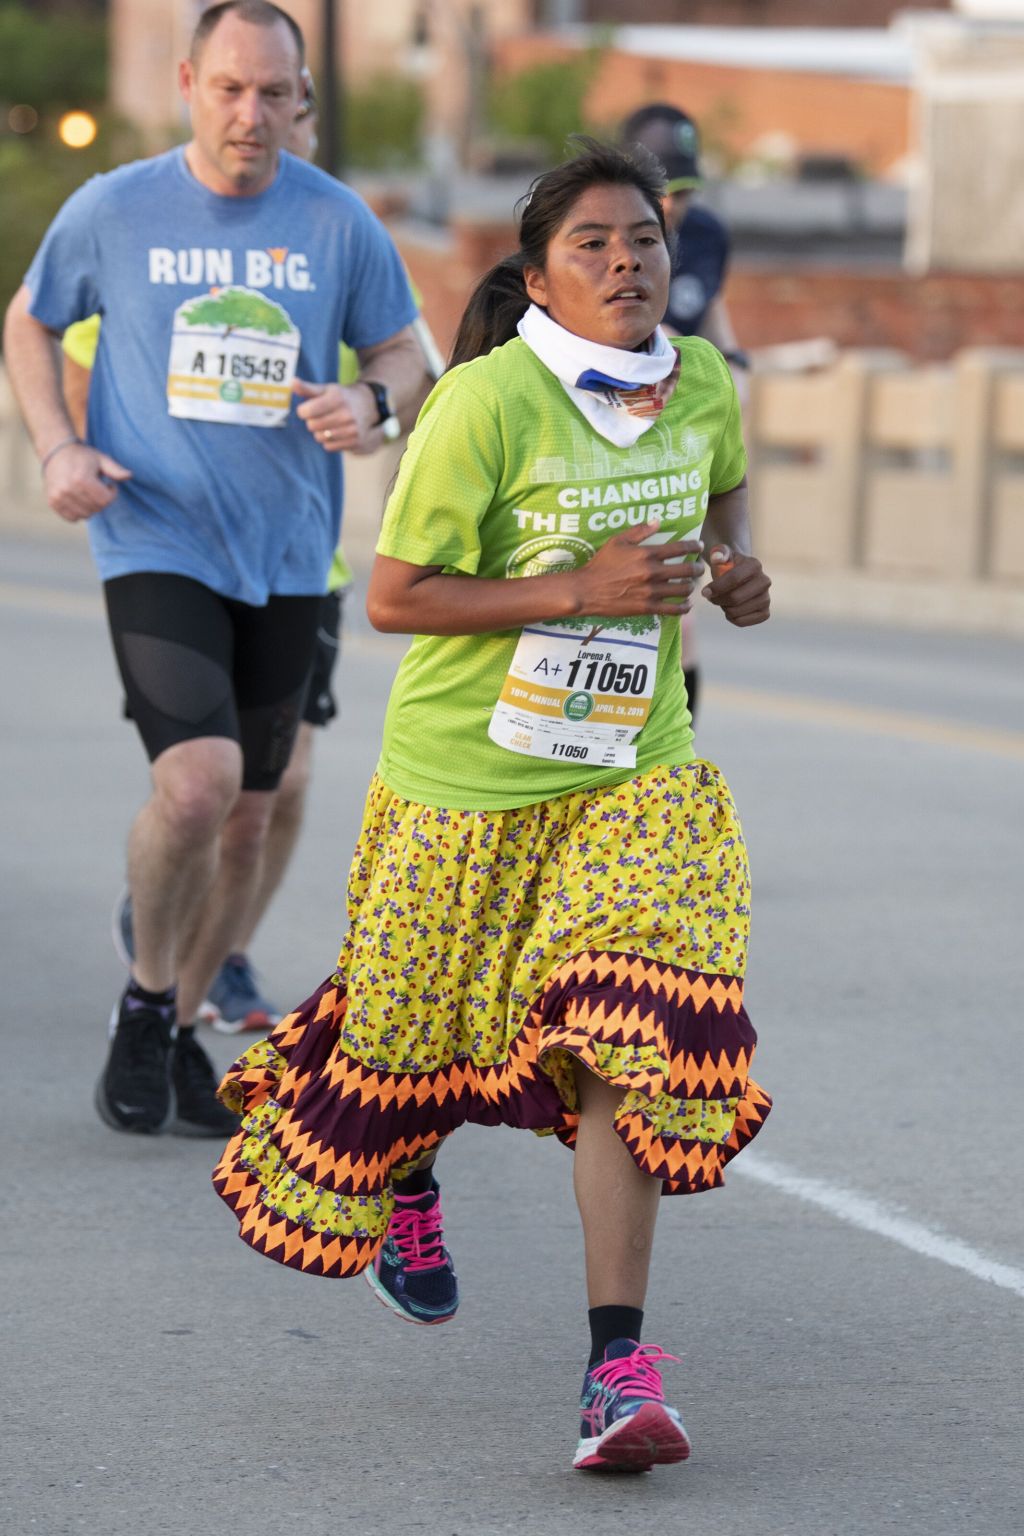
[579,697]
[233,359]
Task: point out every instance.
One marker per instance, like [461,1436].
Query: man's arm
[33,363]
[344,416]
[75,476]
[400,365]
[76,381]
[717,327]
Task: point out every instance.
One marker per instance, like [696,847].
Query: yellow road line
[859,717]
[764,704]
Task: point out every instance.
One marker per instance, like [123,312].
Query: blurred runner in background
[700,260]
[226,275]
[235,1000]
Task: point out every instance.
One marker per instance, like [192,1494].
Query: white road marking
[861,1211]
[844,1204]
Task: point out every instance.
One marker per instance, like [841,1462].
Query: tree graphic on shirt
[238,309]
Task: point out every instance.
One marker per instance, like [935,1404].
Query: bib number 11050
[577,701]
[608,676]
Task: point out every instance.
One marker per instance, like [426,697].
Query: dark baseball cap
[670,135]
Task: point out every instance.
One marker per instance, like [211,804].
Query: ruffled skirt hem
[309,1173]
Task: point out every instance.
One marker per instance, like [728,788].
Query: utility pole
[332,146]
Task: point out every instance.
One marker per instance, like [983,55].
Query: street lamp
[77,129]
[332,140]
[22,118]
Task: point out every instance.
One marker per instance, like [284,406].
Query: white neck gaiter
[621,393]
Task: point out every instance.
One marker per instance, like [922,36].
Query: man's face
[243,92]
[674,206]
[302,137]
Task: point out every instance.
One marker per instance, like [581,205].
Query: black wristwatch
[386,418]
[737,358]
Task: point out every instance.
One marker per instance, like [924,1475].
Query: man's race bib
[579,697]
[233,358]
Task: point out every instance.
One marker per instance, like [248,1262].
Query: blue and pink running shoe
[413,1272]
[625,1423]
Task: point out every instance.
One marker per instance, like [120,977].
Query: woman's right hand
[629,574]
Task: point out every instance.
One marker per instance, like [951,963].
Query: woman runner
[549,900]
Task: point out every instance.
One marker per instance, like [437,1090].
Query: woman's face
[607,271]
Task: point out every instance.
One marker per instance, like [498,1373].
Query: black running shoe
[413,1273]
[199,1111]
[134,1091]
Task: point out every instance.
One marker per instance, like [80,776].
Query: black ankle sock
[608,1323]
[691,681]
[162,1002]
[419,1182]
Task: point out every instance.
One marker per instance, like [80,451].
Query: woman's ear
[536,286]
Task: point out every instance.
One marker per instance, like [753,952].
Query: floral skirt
[487,951]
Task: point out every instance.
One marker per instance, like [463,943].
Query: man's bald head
[258,13]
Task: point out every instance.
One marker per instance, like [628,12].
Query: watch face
[391,428]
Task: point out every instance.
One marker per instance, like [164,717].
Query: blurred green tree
[52,60]
[53,57]
[545,103]
[383,122]
[37,174]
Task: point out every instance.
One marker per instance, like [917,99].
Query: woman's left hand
[739,586]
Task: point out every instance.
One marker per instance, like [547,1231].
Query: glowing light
[77,129]
[22,119]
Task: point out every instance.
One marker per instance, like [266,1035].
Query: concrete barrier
[899,490]
[879,490]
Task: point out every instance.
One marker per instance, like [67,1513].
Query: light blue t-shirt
[247,510]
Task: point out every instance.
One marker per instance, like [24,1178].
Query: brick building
[821,99]
[754,13]
[857,96]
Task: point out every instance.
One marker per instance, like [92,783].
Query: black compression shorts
[321,705]
[196,664]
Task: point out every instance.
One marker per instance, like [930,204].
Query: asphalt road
[848,1309]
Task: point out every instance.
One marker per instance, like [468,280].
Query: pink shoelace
[418,1235]
[634,1375]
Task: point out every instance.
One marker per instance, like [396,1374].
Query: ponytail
[498,303]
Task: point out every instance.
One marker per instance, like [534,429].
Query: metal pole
[332,155]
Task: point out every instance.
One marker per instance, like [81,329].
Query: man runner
[226,275]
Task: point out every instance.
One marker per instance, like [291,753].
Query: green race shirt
[504,477]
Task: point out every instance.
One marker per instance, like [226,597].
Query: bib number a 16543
[233,359]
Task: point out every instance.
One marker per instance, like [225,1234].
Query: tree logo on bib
[238,309]
[545,557]
[578,705]
[231,390]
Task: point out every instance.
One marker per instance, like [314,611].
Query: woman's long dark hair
[500,300]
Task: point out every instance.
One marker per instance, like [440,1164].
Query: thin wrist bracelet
[64,443]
